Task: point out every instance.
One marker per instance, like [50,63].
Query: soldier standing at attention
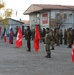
[60,36]
[43,34]
[57,37]
[16,31]
[47,44]
[65,37]
[69,37]
[28,38]
[52,39]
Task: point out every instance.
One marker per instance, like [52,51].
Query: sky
[21,5]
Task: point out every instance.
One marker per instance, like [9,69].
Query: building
[26,23]
[13,24]
[52,16]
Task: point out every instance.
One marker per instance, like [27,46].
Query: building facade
[52,16]
[13,23]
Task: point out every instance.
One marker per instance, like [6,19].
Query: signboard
[45,18]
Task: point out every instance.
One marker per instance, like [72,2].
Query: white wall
[66,24]
[69,21]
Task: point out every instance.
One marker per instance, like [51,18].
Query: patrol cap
[47,28]
[28,26]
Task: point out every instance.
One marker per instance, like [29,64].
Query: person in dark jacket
[28,38]
[65,37]
[16,32]
[43,34]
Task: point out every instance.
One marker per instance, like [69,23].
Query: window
[65,16]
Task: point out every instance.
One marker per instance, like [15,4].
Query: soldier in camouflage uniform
[52,39]
[54,35]
[65,37]
[57,37]
[47,43]
[69,37]
[60,36]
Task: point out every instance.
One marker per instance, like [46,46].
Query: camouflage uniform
[47,43]
[60,36]
[69,38]
[52,39]
[65,37]
[57,37]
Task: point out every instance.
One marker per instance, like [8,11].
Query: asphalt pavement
[17,61]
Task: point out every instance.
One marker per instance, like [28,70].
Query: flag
[72,55]
[5,37]
[10,36]
[19,38]
[36,39]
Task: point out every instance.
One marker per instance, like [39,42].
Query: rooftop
[39,7]
[25,22]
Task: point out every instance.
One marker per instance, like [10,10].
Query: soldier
[52,38]
[16,32]
[28,38]
[11,36]
[43,34]
[47,43]
[65,37]
[69,37]
[60,36]
[54,35]
[57,37]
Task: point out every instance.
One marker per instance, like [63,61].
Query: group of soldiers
[59,38]
[51,38]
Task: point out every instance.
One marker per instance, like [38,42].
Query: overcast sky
[21,5]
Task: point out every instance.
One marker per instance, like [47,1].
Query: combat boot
[69,46]
[48,56]
[52,48]
[29,50]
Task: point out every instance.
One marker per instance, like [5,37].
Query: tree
[5,14]
[58,21]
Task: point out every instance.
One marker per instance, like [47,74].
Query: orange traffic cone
[72,55]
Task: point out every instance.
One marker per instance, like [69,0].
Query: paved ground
[17,61]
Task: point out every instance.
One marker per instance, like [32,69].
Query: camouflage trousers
[57,41]
[52,44]
[47,47]
[69,42]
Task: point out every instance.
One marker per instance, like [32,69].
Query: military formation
[52,37]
